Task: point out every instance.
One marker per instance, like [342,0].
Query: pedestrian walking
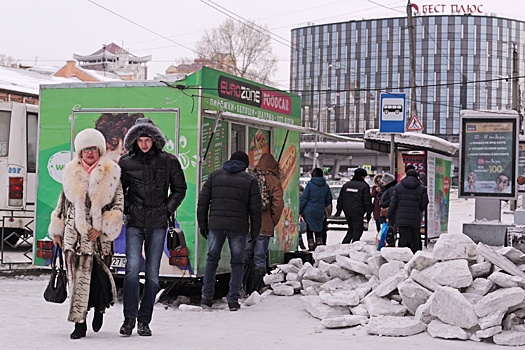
[229,207]
[147,174]
[87,219]
[409,200]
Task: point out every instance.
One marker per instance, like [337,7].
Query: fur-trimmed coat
[91,201]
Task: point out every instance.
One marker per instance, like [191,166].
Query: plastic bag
[302,226]
[381,236]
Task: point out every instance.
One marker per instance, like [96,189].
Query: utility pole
[515,104]
[412,59]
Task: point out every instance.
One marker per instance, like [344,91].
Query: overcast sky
[50,32]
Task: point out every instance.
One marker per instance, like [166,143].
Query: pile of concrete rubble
[460,290]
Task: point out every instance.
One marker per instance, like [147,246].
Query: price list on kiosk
[489,156]
[218,150]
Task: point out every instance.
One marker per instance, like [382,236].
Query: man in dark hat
[229,207]
[356,201]
[409,200]
[145,181]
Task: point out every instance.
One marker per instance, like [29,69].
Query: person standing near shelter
[409,200]
[376,200]
[316,196]
[148,207]
[230,207]
[267,171]
[87,219]
[356,201]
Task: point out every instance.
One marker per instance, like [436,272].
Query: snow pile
[460,290]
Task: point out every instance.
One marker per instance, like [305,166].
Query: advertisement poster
[488,161]
[438,188]
[414,158]
[259,144]
[521,164]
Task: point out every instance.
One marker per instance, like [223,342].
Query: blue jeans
[257,250]
[237,243]
[153,247]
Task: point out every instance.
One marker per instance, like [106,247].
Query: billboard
[488,154]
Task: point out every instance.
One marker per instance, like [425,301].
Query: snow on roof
[415,140]
[21,80]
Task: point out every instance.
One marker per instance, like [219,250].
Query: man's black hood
[144,129]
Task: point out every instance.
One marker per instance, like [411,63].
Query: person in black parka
[356,201]
[409,200]
[229,207]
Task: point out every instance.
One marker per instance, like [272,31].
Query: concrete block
[490,232]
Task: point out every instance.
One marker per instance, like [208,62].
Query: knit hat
[89,138]
[387,178]
[360,172]
[408,167]
[413,172]
[241,156]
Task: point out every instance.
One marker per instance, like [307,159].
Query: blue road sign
[392,113]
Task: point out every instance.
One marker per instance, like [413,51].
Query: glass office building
[341,69]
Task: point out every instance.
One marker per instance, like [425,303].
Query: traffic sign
[414,124]
[392,113]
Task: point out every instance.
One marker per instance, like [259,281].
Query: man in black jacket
[229,207]
[147,207]
[409,200]
[355,200]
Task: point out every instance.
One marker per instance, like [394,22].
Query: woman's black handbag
[56,291]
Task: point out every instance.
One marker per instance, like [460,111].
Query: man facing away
[145,181]
[355,200]
[230,207]
[409,200]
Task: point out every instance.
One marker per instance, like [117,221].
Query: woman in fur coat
[87,219]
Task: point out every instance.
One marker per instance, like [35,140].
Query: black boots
[311,244]
[79,332]
[247,277]
[97,320]
[258,283]
[143,329]
[127,326]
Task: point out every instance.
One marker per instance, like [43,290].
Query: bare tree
[242,49]
[8,61]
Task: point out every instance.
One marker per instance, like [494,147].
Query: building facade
[462,62]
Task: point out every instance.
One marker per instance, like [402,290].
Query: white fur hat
[88,138]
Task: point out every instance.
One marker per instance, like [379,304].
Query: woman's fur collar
[100,186]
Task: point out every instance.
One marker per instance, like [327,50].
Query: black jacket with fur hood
[144,180]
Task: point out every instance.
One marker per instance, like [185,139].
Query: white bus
[18,179]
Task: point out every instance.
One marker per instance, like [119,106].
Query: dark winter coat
[144,180]
[409,200]
[355,199]
[316,196]
[230,200]
[386,195]
[271,215]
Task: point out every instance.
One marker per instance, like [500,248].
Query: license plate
[118,261]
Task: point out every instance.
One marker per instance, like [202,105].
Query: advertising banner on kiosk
[488,154]
[438,189]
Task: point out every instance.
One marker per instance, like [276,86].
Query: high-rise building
[340,69]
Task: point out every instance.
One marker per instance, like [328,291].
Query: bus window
[32,130]
[5,127]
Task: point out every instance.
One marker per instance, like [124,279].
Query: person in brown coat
[267,173]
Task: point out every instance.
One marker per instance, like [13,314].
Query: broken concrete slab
[339,297]
[499,299]
[481,269]
[489,332]
[315,307]
[504,280]
[423,280]
[413,295]
[383,307]
[344,321]
[274,278]
[499,260]
[392,326]
[452,273]
[513,254]
[353,265]
[439,329]
[492,320]
[420,261]
[315,274]
[509,338]
[481,286]
[390,269]
[375,262]
[452,308]
[282,289]
[390,284]
[397,253]
[452,246]
[288,268]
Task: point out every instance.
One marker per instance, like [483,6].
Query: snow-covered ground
[277,322]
